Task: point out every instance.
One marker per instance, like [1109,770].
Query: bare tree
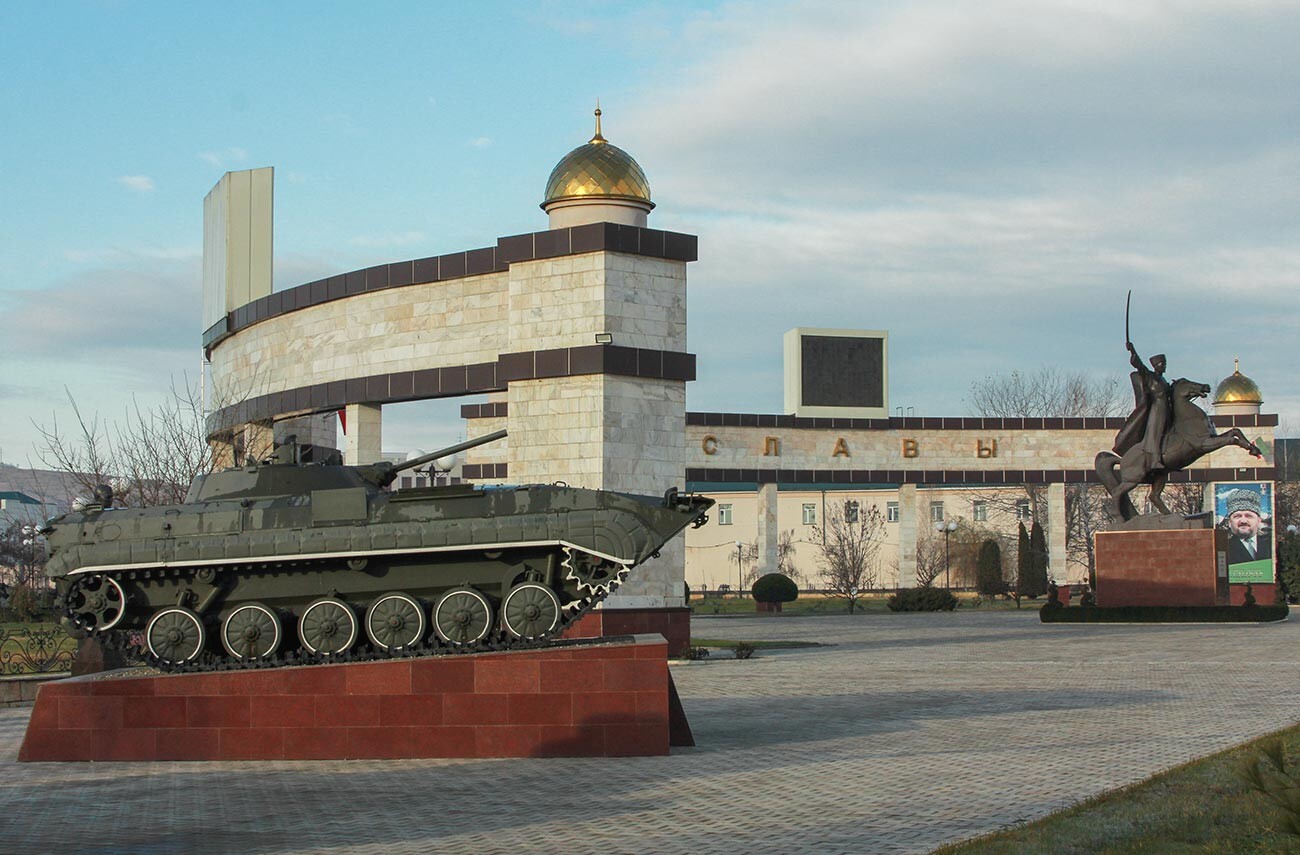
[1051,392]
[148,458]
[850,539]
[1048,392]
[930,558]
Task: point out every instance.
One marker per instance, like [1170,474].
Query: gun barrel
[451,449]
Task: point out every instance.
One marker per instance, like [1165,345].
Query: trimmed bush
[1163,614]
[988,572]
[922,600]
[775,588]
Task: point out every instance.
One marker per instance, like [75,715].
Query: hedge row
[1163,614]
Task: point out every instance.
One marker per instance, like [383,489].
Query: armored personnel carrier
[283,561]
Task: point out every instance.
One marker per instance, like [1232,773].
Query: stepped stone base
[607,699]
[1175,567]
[674,624]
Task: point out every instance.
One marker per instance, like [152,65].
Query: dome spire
[598,138]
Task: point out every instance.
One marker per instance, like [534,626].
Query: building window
[980,511]
[936,512]
[724,514]
[810,515]
[850,511]
[1022,510]
[891,511]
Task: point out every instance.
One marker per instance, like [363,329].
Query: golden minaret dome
[602,177]
[1237,394]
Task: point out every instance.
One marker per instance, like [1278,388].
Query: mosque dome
[1237,389]
[601,176]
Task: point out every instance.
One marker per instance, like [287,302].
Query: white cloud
[225,158]
[984,180]
[138,183]
[481,142]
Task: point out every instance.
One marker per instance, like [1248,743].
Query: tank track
[498,640]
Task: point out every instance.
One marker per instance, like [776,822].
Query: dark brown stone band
[951,477]
[767,420]
[459,380]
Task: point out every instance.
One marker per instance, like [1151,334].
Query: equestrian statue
[1166,432]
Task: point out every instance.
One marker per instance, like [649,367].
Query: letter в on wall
[841,448]
[910,448]
[771,446]
[710,444]
[982,450]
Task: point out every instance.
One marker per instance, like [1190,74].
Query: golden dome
[597,170]
[1237,389]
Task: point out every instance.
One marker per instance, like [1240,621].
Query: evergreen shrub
[922,600]
[775,588]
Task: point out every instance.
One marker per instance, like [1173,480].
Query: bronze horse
[1190,437]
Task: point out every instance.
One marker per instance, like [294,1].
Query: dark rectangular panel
[842,371]
[481,376]
[401,273]
[336,393]
[401,385]
[515,366]
[377,387]
[588,238]
[515,248]
[652,243]
[426,270]
[649,363]
[453,380]
[679,366]
[356,282]
[587,359]
[336,287]
[680,247]
[551,244]
[355,389]
[479,261]
[377,277]
[318,292]
[425,383]
[553,363]
[621,238]
[451,266]
[620,360]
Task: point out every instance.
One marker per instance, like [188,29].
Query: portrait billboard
[1245,512]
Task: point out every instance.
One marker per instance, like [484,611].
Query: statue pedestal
[1155,567]
[580,700]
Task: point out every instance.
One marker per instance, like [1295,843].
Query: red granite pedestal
[673,624]
[1159,567]
[610,699]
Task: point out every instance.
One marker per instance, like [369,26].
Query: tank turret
[283,561]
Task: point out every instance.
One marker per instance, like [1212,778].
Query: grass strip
[1203,807]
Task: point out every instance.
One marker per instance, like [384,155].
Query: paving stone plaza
[909,732]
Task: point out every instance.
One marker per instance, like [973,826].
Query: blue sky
[984,180]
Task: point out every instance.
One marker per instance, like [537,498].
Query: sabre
[1128,341]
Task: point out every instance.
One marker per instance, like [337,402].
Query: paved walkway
[912,731]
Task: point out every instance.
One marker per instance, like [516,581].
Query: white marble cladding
[808,448]
[610,433]
[432,325]
[565,302]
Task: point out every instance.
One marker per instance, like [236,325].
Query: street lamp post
[739,554]
[946,528]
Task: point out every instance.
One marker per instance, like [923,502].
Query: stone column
[907,531]
[1057,560]
[365,434]
[768,529]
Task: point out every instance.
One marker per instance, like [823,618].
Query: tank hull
[247,572]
